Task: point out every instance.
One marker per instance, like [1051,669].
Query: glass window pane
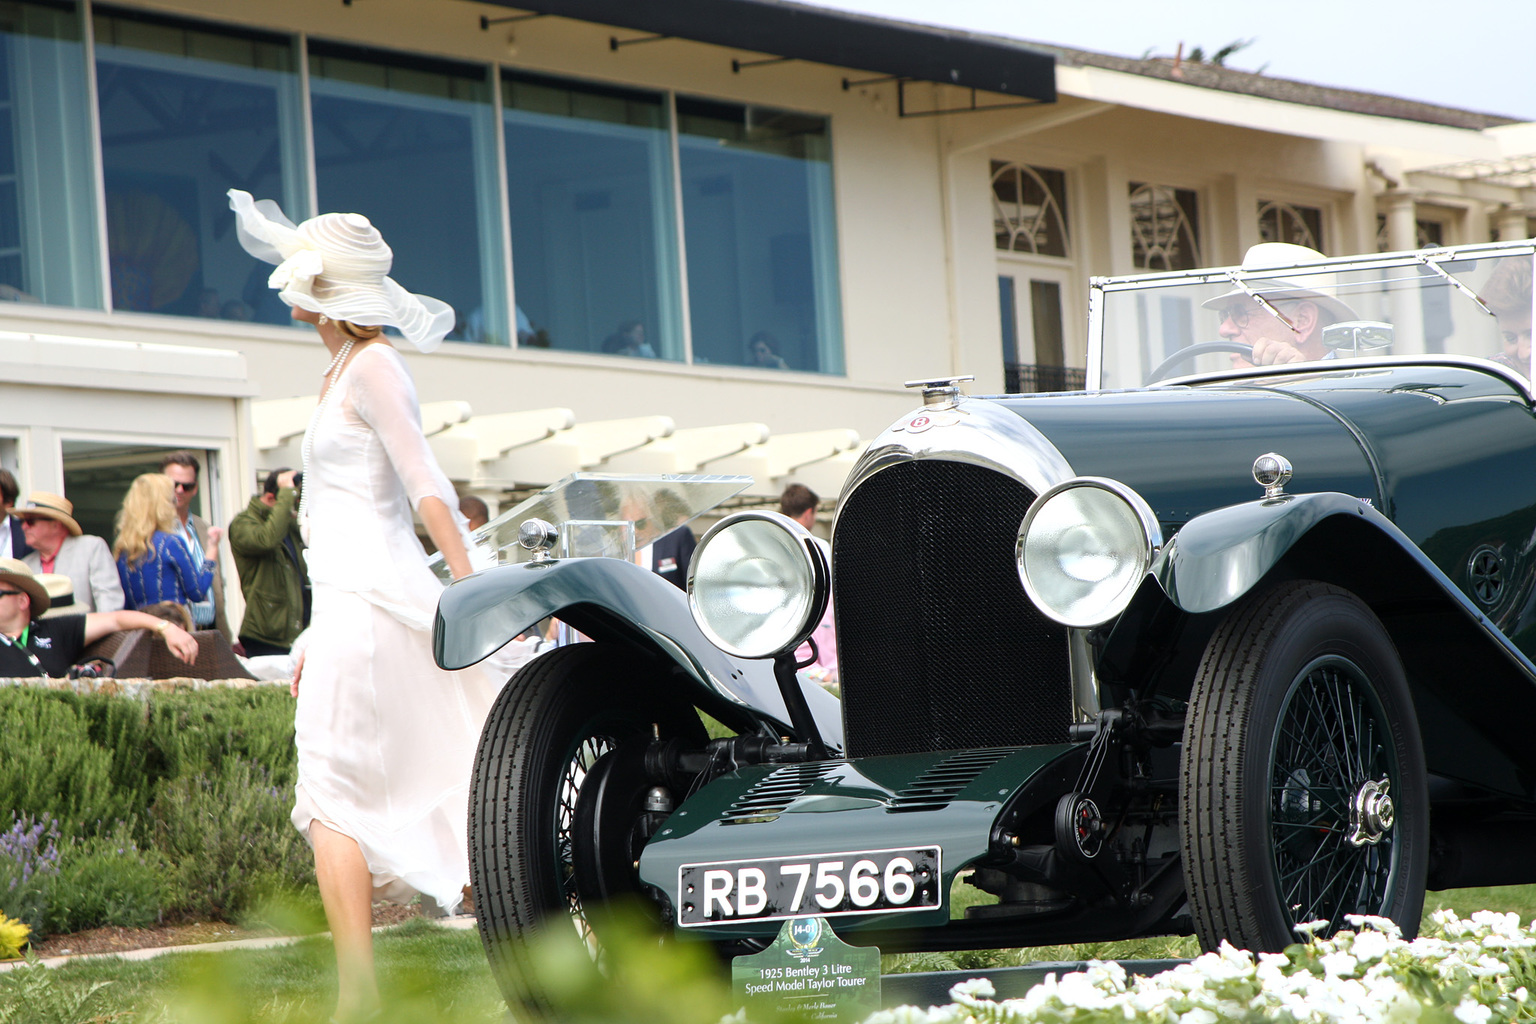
[594,236]
[189,111]
[760,236]
[48,247]
[409,144]
[1029,209]
[1165,227]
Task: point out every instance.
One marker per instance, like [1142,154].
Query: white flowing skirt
[386,743]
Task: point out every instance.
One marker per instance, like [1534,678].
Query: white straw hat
[1316,288]
[337,264]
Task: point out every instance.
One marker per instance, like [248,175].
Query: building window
[411,143]
[1428,234]
[594,233]
[1165,227]
[1029,209]
[761,246]
[1287,222]
[47,188]
[187,111]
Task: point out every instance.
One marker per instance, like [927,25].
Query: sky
[1418,49]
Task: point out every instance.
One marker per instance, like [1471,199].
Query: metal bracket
[614,42]
[486,23]
[737,65]
[973,108]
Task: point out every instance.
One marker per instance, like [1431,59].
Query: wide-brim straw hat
[61,595]
[337,264]
[1316,288]
[42,505]
[16,573]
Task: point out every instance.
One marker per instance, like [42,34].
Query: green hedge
[163,805]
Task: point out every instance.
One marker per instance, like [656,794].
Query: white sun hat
[337,264]
[1313,287]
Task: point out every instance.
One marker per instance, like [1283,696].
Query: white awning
[536,447]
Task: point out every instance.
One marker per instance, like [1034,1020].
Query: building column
[1512,223]
[1402,226]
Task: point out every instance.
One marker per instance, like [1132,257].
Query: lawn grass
[439,975]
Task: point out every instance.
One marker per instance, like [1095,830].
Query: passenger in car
[1304,303]
[1508,294]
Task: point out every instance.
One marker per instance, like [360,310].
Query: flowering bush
[29,861]
[13,935]
[1476,971]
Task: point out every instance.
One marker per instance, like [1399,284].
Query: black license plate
[827,885]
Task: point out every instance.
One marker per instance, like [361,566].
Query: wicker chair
[140,654]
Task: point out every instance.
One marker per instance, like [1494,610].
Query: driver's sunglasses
[1239,315]
[184,487]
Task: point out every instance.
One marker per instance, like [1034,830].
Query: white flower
[1468,1011]
[976,988]
[1309,929]
[1385,925]
[1370,945]
[1338,963]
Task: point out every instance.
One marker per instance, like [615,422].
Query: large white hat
[337,264]
[1316,288]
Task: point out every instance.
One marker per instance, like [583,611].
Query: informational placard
[808,974]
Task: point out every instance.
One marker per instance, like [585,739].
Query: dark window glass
[594,236]
[1029,209]
[1165,227]
[408,143]
[1288,222]
[188,111]
[760,236]
[48,249]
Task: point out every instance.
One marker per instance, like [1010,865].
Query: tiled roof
[1211,76]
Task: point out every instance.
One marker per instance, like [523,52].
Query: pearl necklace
[307,449]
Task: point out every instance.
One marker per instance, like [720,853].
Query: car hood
[1377,434]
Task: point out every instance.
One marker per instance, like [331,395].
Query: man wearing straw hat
[1285,323]
[48,520]
[31,645]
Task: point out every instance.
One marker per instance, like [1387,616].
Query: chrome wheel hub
[1371,813]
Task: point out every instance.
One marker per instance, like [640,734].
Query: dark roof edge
[783,29]
[1249,83]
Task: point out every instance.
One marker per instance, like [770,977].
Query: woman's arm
[195,580]
[438,519]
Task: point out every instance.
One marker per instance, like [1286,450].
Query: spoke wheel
[554,729]
[1303,790]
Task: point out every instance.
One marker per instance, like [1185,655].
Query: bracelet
[164,627]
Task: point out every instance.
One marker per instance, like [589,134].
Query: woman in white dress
[385,738]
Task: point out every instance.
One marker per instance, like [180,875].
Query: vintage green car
[1210,647]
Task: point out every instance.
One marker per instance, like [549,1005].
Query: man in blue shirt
[184,470]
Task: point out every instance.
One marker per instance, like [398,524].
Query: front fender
[1217,557]
[614,600]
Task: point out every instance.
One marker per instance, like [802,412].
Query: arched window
[1029,209]
[1286,222]
[1165,227]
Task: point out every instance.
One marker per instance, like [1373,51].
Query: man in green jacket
[270,559]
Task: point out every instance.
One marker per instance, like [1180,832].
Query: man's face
[185,479]
[44,534]
[1244,321]
[15,606]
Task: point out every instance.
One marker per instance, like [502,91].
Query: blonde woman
[385,738]
[152,561]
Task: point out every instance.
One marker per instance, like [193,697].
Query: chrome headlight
[757,584]
[1084,547]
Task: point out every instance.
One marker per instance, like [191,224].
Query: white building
[882,201]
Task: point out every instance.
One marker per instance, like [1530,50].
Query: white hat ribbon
[301,268]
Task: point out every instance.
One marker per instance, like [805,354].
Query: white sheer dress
[386,739]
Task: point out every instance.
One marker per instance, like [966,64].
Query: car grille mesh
[938,646]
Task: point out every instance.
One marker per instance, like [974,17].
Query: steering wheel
[1193,351]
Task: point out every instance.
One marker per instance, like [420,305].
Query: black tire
[547,730]
[1300,701]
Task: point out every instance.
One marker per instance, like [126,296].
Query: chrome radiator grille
[938,647]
